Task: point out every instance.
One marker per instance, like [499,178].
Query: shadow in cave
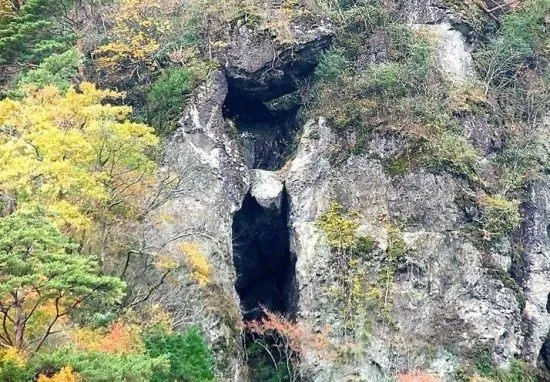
[544,357]
[267,129]
[263,261]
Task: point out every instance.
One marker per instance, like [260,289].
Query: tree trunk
[19,319]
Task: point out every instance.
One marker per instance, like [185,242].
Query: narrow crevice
[264,264]
[266,285]
[265,118]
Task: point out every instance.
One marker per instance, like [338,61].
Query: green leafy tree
[96,366]
[190,358]
[43,279]
[56,70]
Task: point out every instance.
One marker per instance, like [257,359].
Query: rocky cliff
[258,175]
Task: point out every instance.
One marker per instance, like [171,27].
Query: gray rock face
[254,63]
[198,219]
[536,282]
[443,301]
[425,11]
[454,58]
[483,135]
[267,189]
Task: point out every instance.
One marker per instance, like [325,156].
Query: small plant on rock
[500,216]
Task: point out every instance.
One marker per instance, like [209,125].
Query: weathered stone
[213,181]
[267,189]
[442,298]
[483,135]
[454,58]
[425,11]
[261,68]
[536,266]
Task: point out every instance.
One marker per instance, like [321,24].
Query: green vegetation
[262,366]
[189,357]
[57,70]
[519,39]
[96,366]
[79,175]
[167,97]
[394,256]
[119,357]
[400,93]
[362,93]
[449,150]
[40,269]
[500,216]
[365,274]
[331,65]
[339,229]
[473,14]
[34,30]
[484,366]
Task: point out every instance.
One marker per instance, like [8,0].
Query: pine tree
[43,279]
[31,31]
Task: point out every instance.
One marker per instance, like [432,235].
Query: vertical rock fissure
[266,282]
[266,126]
[264,264]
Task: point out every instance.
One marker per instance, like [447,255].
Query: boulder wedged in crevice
[267,189]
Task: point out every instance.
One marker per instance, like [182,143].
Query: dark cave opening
[267,130]
[266,280]
[263,261]
[544,356]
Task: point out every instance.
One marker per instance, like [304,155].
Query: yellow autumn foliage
[41,318]
[12,356]
[143,28]
[339,227]
[200,268]
[6,9]
[74,156]
[138,26]
[119,338]
[165,263]
[66,374]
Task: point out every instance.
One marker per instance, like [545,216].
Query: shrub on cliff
[167,97]
[521,36]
